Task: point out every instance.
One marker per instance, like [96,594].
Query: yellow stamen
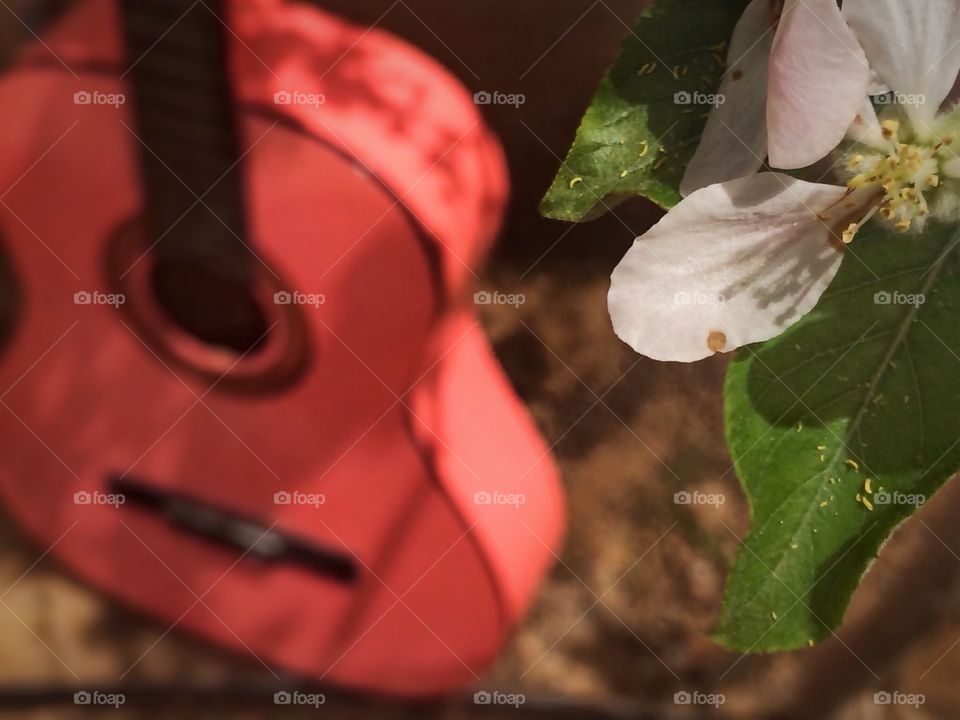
[850,233]
[900,177]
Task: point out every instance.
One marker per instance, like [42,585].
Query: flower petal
[952,97]
[734,142]
[731,264]
[866,128]
[818,78]
[951,168]
[913,45]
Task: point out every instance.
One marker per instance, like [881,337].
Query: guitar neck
[185,121]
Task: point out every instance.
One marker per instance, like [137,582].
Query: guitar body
[390,507]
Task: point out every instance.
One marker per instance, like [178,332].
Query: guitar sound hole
[212,307]
[9,298]
[210,313]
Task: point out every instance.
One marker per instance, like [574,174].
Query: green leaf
[858,389]
[635,139]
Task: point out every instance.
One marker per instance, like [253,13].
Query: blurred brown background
[622,623]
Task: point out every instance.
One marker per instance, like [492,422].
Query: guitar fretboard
[183,105]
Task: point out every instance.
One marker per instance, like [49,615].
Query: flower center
[900,178]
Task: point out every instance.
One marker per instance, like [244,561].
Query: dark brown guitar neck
[186,122]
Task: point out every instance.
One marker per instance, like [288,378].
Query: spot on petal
[716,341]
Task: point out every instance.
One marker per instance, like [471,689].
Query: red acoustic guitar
[242,390]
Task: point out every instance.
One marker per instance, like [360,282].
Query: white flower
[769,244]
[793,86]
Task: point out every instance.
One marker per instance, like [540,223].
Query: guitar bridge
[241,533]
